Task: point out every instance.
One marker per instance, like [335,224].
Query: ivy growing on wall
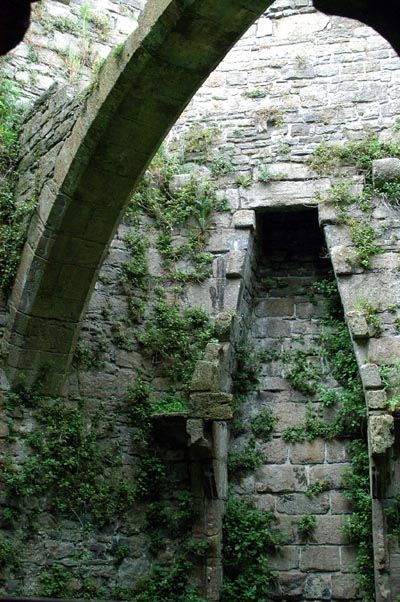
[359,156]
[13,218]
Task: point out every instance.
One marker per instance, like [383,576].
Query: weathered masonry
[196,391]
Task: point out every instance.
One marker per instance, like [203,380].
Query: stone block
[195,430]
[336,452]
[275,451]
[224,324]
[300,503]
[381,436]
[384,170]
[279,307]
[274,383]
[345,587]
[291,585]
[211,406]
[244,219]
[333,473]
[358,325]
[370,376]
[287,558]
[376,400]
[274,479]
[290,414]
[348,557]
[379,289]
[327,214]
[235,263]
[343,259]
[339,504]
[320,558]
[329,530]
[308,452]
[283,193]
[205,376]
[271,327]
[385,350]
[266,502]
[385,261]
[318,587]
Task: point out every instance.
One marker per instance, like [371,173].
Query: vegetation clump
[13,217]
[65,467]
[306,525]
[248,540]
[349,422]
[176,340]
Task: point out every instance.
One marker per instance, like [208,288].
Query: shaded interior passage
[300,482]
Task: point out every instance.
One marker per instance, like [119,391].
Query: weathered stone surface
[280,479]
[211,406]
[384,170]
[224,322]
[336,452]
[343,259]
[244,219]
[299,503]
[205,376]
[385,350]
[287,559]
[376,400]
[339,504]
[378,289]
[276,307]
[308,452]
[323,558]
[370,376]
[333,473]
[291,584]
[327,214]
[195,430]
[348,556]
[358,325]
[318,587]
[235,263]
[275,451]
[381,435]
[329,531]
[345,587]
[282,194]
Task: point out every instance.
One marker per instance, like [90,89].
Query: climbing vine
[249,538]
[13,218]
[359,155]
[335,346]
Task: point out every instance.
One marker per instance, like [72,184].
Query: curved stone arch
[142,89]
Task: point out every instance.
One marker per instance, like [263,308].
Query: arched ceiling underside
[140,93]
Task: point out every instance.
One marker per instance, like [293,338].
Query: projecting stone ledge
[211,406]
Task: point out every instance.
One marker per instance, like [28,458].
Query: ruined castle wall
[296,79]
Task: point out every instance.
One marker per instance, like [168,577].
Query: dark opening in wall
[292,236]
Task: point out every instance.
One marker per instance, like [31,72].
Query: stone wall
[67,42]
[288,318]
[297,78]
